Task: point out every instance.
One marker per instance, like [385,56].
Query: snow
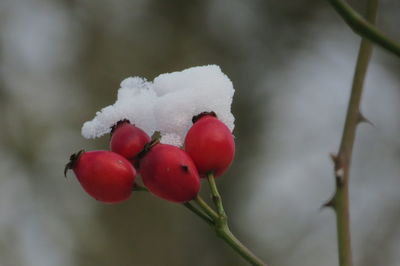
[172,139]
[168,103]
[135,102]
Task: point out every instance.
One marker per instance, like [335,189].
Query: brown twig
[342,161]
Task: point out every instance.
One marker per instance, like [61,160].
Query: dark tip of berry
[185,168]
[155,139]
[72,160]
[197,117]
[114,127]
[156,135]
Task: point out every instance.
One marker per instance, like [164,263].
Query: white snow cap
[168,103]
[135,102]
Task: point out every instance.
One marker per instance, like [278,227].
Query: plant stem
[364,27]
[137,187]
[222,228]
[215,195]
[241,249]
[187,205]
[204,206]
[217,220]
[342,161]
[199,213]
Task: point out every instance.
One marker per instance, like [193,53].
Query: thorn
[334,157]
[363,119]
[329,204]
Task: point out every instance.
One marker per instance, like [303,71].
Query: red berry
[105,175]
[210,144]
[128,140]
[170,173]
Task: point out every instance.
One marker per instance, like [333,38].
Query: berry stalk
[219,222]
[206,208]
[222,228]
[199,213]
[216,196]
[241,249]
[187,205]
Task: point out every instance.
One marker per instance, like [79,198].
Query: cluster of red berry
[167,171]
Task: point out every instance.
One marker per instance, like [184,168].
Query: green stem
[187,205]
[241,249]
[137,187]
[204,206]
[215,194]
[364,27]
[340,201]
[199,213]
[217,220]
[222,228]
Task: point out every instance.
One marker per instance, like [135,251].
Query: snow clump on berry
[168,103]
[182,95]
[135,103]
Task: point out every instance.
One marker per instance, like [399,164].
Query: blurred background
[291,63]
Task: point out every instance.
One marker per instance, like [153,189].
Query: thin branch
[187,205]
[218,221]
[342,161]
[215,195]
[222,228]
[204,206]
[137,187]
[364,27]
[199,213]
[241,249]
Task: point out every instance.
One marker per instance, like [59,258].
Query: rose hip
[168,172]
[105,175]
[210,144]
[128,140]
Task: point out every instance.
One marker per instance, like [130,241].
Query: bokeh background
[291,63]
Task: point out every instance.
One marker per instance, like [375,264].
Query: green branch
[187,205]
[204,206]
[342,161]
[364,27]
[199,213]
[222,228]
[215,195]
[218,220]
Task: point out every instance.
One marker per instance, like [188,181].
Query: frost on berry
[167,104]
